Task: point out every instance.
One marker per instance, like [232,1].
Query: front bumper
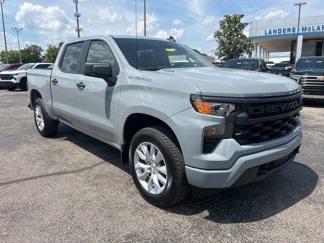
[204,178]
[8,83]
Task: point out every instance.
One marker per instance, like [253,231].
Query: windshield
[26,66]
[282,65]
[242,64]
[154,55]
[310,63]
[3,67]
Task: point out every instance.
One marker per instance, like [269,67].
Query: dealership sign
[293,30]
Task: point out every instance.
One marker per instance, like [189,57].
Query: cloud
[151,25]
[45,21]
[176,33]
[277,14]
[210,37]
[153,28]
[209,21]
[177,22]
[11,41]
[108,15]
[196,7]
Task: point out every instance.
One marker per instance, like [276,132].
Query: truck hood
[235,83]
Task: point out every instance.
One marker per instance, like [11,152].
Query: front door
[97,100]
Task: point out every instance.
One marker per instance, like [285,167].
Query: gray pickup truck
[179,122]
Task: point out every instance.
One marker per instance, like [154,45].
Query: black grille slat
[270,130]
[6,77]
[260,122]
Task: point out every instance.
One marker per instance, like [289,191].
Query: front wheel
[157,167]
[23,84]
[46,126]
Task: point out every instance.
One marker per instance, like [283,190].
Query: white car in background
[18,78]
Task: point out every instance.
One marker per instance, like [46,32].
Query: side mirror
[103,71]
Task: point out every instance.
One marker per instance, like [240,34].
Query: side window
[100,53]
[70,60]
[42,66]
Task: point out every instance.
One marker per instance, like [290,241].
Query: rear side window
[71,58]
[42,66]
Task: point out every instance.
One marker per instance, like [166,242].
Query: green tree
[13,56]
[52,52]
[232,42]
[32,53]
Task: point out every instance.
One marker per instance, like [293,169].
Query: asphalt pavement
[74,188]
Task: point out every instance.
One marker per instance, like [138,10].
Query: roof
[113,36]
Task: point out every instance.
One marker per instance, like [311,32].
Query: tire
[11,88]
[23,84]
[48,127]
[176,187]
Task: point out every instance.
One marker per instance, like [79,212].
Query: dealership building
[282,35]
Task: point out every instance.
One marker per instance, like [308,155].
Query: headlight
[211,107]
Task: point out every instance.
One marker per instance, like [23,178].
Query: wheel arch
[136,121]
[34,94]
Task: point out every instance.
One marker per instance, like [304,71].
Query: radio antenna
[136,32]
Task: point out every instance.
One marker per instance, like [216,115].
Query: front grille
[312,85]
[265,120]
[6,77]
[264,131]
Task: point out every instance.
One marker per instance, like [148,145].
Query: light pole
[300,38]
[77,16]
[299,10]
[4,30]
[144,17]
[17,31]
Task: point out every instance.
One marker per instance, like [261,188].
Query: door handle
[81,85]
[55,81]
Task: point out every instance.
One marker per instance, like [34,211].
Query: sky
[190,21]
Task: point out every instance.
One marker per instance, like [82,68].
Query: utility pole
[299,10]
[4,30]
[144,17]
[300,38]
[77,16]
[17,31]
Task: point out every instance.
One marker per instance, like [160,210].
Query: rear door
[64,81]
[96,100]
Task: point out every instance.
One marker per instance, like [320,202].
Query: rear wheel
[46,126]
[157,167]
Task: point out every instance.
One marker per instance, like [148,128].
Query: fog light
[214,131]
